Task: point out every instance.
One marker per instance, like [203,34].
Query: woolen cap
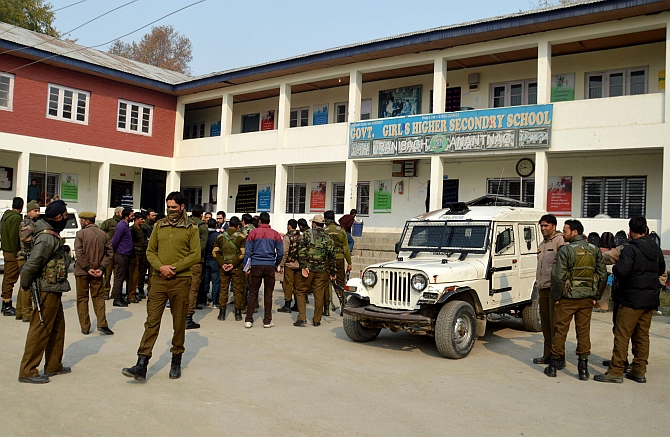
[118,209]
[32,205]
[56,207]
[318,219]
[88,215]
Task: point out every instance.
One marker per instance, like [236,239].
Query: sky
[231,34]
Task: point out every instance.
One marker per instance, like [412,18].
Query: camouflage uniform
[24,304]
[317,254]
[341,246]
[230,250]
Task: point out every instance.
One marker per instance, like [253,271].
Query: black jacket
[211,239]
[637,272]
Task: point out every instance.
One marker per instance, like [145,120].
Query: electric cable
[65,7]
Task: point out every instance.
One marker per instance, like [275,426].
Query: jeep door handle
[500,269]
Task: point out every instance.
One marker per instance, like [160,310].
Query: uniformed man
[341,246]
[578,280]
[196,270]
[109,226]
[24,304]
[316,256]
[290,266]
[47,265]
[229,254]
[10,244]
[122,242]
[94,252]
[173,249]
[546,256]
[147,227]
[139,252]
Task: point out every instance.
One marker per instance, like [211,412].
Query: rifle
[339,291]
[35,295]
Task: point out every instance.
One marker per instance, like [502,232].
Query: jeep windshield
[446,236]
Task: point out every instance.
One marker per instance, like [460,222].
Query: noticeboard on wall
[6,178]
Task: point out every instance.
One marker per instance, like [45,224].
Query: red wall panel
[28,116]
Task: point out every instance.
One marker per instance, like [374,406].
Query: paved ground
[315,381]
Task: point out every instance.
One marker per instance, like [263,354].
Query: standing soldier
[47,266]
[24,304]
[147,227]
[173,249]
[341,246]
[11,244]
[122,242]
[196,270]
[546,257]
[94,251]
[109,226]
[578,280]
[317,261]
[139,252]
[290,266]
[229,254]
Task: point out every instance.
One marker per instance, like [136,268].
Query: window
[366,109]
[504,240]
[118,189]
[338,197]
[193,196]
[52,184]
[68,104]
[6,91]
[194,130]
[340,112]
[449,191]
[523,92]
[529,244]
[512,188]
[295,198]
[452,101]
[299,117]
[615,83]
[134,117]
[251,122]
[363,199]
[618,197]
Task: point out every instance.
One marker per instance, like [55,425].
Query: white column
[667,72]
[436,177]
[350,185]
[22,175]
[223,181]
[226,122]
[355,89]
[102,204]
[284,116]
[439,85]
[179,127]
[665,200]
[173,181]
[541,179]
[543,72]
[281,179]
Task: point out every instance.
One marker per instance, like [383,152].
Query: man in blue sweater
[122,243]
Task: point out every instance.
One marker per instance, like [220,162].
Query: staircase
[373,248]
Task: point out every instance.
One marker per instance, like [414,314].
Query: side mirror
[397,247]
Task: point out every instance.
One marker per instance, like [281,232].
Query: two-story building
[562,107]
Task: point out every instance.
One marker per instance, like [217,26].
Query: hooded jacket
[637,271]
[11,226]
[45,248]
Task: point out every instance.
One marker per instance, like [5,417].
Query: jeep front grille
[395,288]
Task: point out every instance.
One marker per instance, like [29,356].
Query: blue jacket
[264,247]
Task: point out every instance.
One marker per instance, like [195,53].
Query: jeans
[213,274]
[351,242]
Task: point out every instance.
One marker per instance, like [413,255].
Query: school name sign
[519,127]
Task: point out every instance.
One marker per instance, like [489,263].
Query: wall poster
[559,196]
[6,178]
[215,128]
[317,197]
[69,187]
[563,87]
[382,196]
[268,120]
[264,198]
[400,101]
[320,114]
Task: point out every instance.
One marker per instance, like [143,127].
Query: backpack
[56,269]
[656,238]
[583,272]
[594,239]
[607,240]
[621,238]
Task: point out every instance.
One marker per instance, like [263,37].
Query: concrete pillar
[439,85]
[22,176]
[665,201]
[284,116]
[102,204]
[281,179]
[543,72]
[350,185]
[226,122]
[436,177]
[355,89]
[541,179]
[222,187]
[179,127]
[173,181]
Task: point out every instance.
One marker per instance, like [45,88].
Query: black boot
[190,324]
[294,308]
[139,371]
[326,310]
[583,369]
[286,308]
[550,370]
[238,314]
[175,366]
[8,309]
[222,313]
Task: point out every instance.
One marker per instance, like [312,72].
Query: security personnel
[289,265]
[546,256]
[229,253]
[109,226]
[48,265]
[578,281]
[247,224]
[147,227]
[94,252]
[173,249]
[24,304]
[196,270]
[316,256]
[10,242]
[341,246]
[139,253]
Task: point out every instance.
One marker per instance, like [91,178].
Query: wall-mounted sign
[563,87]
[69,187]
[559,196]
[320,114]
[382,197]
[264,198]
[400,101]
[215,128]
[317,197]
[267,120]
[6,178]
[525,127]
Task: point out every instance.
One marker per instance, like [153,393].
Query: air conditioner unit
[473,82]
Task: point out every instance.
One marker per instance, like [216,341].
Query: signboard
[317,197]
[399,102]
[6,178]
[519,127]
[268,120]
[215,128]
[382,196]
[563,87]
[320,114]
[69,187]
[264,198]
[559,196]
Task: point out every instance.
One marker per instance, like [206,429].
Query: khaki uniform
[317,254]
[144,262]
[341,246]
[196,270]
[290,264]
[139,252]
[546,256]
[24,303]
[109,227]
[229,249]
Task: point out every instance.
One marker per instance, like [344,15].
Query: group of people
[571,278]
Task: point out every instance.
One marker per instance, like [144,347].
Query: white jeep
[455,268]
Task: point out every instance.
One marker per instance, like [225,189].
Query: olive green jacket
[11,227]
[44,249]
[109,225]
[563,285]
[202,232]
[340,241]
[177,246]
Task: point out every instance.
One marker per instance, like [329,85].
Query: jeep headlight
[369,278]
[419,282]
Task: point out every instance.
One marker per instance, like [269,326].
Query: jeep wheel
[531,316]
[455,329]
[353,327]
